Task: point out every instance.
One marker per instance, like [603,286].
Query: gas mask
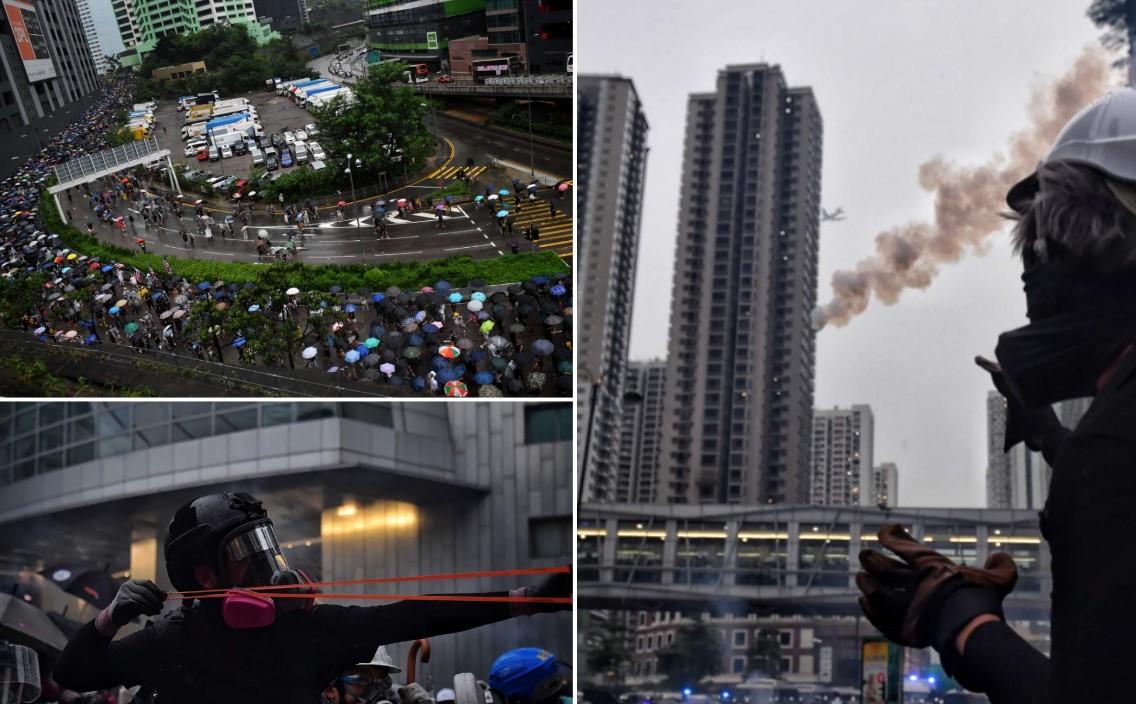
[1078,325]
[251,557]
[19,674]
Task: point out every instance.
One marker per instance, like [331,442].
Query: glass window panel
[24,470]
[372,413]
[114,445]
[151,437]
[113,420]
[77,408]
[151,414]
[25,447]
[192,429]
[81,453]
[193,408]
[639,552]
[51,461]
[277,413]
[314,411]
[82,428]
[50,413]
[51,437]
[548,423]
[25,421]
[232,421]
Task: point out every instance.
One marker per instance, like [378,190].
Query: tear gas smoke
[968,201]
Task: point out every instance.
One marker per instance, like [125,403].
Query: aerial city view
[287,198]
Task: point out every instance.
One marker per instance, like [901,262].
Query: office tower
[739,409]
[887,485]
[143,22]
[842,470]
[354,489]
[1018,478]
[612,158]
[45,64]
[419,31]
[92,36]
[640,435]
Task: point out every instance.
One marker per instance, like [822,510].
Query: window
[372,413]
[550,537]
[738,665]
[786,638]
[548,423]
[740,639]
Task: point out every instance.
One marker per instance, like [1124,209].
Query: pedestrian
[1073,215]
[133,228]
[440,220]
[551,210]
[514,247]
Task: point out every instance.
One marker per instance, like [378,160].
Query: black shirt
[191,656]
[1089,522]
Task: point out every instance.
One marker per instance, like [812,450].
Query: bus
[495,68]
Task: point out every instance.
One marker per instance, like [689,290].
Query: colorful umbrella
[371,343]
[449,351]
[487,326]
[457,389]
[455,297]
[351,357]
[386,368]
[292,291]
[309,353]
[502,213]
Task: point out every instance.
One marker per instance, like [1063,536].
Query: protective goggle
[19,674]
[253,558]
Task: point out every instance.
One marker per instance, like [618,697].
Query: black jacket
[1089,522]
[191,656]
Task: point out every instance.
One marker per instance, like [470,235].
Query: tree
[764,654]
[20,295]
[384,128]
[696,653]
[607,647]
[1118,18]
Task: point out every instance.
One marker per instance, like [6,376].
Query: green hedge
[406,275]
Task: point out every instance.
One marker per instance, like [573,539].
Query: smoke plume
[968,200]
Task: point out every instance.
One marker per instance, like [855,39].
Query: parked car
[311,129]
[277,140]
[272,152]
[226,152]
[286,158]
[445,78]
[301,136]
[191,150]
[290,138]
[270,163]
[317,151]
[257,156]
[240,148]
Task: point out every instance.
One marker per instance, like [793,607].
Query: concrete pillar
[173,175]
[59,207]
[854,549]
[670,549]
[793,553]
[729,571]
[982,547]
[607,559]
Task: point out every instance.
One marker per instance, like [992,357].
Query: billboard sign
[30,41]
[431,40]
[879,674]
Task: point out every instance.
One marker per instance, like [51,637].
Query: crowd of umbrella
[454,339]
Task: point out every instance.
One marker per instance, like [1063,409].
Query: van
[301,153]
[271,152]
[257,156]
[214,154]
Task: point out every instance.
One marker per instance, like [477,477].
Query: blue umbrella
[362,350]
[376,297]
[105,268]
[202,285]
[114,310]
[540,280]
[502,213]
[455,297]
[351,357]
[442,286]
[66,270]
[439,363]
[483,315]
[396,381]
[323,304]
[240,342]
[415,341]
[477,296]
[418,383]
[558,290]
[432,327]
[477,356]
[218,294]
[349,308]
[479,198]
[448,375]
[254,308]
[378,331]
[336,289]
[542,348]
[484,378]
[420,316]
[503,192]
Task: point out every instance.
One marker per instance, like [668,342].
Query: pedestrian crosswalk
[555,230]
[452,171]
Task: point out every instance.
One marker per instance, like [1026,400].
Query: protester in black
[1077,236]
[244,648]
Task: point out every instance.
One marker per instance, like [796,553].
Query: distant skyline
[896,84]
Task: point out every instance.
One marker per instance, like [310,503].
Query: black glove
[926,599]
[557,584]
[1032,425]
[135,598]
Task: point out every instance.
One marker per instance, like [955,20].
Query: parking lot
[277,114]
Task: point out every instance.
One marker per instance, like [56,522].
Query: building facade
[842,457]
[886,485]
[62,71]
[997,460]
[420,30]
[739,426]
[547,33]
[611,167]
[640,437]
[142,23]
[98,57]
[354,489]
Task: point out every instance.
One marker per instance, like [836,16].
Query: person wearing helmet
[530,676]
[247,646]
[365,683]
[1076,233]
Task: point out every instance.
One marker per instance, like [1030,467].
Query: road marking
[395,254]
[459,232]
[472,246]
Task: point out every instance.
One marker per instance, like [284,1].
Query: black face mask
[1077,327]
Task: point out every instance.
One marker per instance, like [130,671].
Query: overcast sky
[106,26]
[897,82]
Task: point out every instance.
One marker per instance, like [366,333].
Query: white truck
[321,99]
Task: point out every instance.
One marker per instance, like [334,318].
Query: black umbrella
[24,624]
[477,283]
[84,581]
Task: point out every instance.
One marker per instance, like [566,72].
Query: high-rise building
[1019,478]
[283,14]
[842,452]
[611,163]
[997,460]
[420,30]
[354,490]
[547,33]
[45,63]
[886,484]
[739,408]
[92,35]
[640,437]
[143,22]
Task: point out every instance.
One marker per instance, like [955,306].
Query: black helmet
[201,527]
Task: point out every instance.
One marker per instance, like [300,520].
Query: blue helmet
[527,674]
